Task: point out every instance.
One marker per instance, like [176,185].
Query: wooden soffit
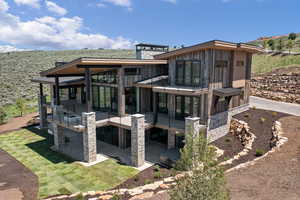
[215,44]
[78,66]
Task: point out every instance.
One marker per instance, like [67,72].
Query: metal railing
[67,118]
[129,80]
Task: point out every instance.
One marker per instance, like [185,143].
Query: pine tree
[3,115]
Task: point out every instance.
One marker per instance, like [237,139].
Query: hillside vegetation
[281,43]
[18,68]
[265,63]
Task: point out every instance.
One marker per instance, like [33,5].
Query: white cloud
[3,6]
[171,1]
[123,3]
[53,33]
[32,3]
[101,5]
[9,48]
[53,7]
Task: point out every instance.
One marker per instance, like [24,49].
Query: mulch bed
[260,123]
[231,146]
[147,176]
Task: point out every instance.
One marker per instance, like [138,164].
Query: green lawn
[58,174]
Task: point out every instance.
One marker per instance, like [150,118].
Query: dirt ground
[17,123]
[16,181]
[276,176]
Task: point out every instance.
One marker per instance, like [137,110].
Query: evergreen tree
[21,105]
[205,179]
[3,115]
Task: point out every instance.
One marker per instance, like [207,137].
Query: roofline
[87,61]
[214,44]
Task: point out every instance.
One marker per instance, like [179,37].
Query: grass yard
[58,174]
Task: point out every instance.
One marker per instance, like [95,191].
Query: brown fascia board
[215,44]
[101,61]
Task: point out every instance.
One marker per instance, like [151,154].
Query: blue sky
[76,24]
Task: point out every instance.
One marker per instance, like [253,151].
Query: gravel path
[261,103]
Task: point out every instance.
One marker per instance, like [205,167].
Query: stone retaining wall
[279,87]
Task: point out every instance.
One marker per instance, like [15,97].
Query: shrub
[259,152]
[227,140]
[292,36]
[254,107]
[147,181]
[157,175]
[274,114]
[226,158]
[136,179]
[3,115]
[247,115]
[21,105]
[156,168]
[262,119]
[116,197]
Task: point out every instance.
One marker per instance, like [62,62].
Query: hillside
[17,68]
[284,38]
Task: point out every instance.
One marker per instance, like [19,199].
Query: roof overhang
[215,44]
[227,92]
[64,81]
[77,67]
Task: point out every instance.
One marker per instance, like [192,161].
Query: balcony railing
[67,118]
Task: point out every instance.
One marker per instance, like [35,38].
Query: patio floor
[153,152]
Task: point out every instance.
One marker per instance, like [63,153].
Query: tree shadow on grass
[43,147]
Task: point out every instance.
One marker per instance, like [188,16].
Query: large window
[162,103]
[188,72]
[187,106]
[105,77]
[104,98]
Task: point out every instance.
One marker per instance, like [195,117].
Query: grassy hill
[17,68]
[284,38]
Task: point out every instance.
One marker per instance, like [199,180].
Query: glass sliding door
[162,103]
[183,107]
[105,99]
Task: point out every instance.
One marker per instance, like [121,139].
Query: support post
[89,137]
[88,88]
[57,98]
[171,139]
[121,92]
[155,107]
[122,138]
[138,103]
[138,140]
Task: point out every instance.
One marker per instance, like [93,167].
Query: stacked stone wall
[280,87]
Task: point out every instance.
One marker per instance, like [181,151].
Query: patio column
[89,137]
[155,107]
[121,92]
[138,99]
[192,126]
[171,139]
[57,98]
[42,108]
[88,87]
[137,140]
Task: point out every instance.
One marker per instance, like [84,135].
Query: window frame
[182,79]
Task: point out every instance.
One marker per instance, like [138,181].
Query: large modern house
[135,109]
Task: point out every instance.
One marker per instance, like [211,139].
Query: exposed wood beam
[57,99]
[64,75]
[88,89]
[99,66]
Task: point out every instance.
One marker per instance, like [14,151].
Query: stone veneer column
[57,130]
[137,140]
[192,126]
[89,137]
[42,112]
[171,139]
[58,136]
